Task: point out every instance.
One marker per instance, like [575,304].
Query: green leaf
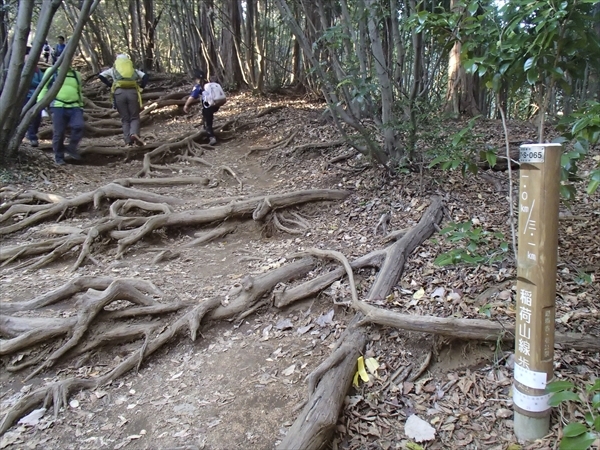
[504,246]
[437,160]
[574,429]
[557,386]
[592,187]
[472,8]
[443,260]
[529,64]
[597,424]
[532,76]
[496,82]
[580,148]
[567,191]
[589,419]
[563,396]
[470,66]
[596,401]
[422,16]
[581,442]
[594,387]
[472,168]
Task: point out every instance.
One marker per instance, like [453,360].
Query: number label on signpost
[532,154]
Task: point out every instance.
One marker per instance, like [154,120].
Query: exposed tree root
[259,207]
[73,287]
[230,171]
[186,141]
[341,158]
[129,230]
[59,206]
[210,236]
[313,428]
[328,386]
[242,298]
[166,181]
[283,142]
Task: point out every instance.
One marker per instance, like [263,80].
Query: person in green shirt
[67,111]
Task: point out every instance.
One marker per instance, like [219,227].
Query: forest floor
[241,384]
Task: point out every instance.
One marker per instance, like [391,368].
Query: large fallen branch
[478,329]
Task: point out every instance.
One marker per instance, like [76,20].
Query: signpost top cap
[549,144]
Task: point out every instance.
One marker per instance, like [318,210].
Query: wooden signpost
[536,287]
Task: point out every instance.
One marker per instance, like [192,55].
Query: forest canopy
[385,69]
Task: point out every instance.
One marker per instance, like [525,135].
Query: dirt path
[237,386]
[241,384]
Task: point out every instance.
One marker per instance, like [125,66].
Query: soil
[241,384]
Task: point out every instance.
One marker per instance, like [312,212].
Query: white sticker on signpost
[530,378]
[531,403]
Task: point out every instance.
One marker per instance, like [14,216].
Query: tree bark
[478,329]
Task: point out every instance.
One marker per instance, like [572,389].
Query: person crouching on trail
[125,86]
[67,111]
[208,108]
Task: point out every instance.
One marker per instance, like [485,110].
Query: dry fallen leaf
[418,429]
[419,294]
[290,370]
[33,418]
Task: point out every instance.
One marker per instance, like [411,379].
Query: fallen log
[478,329]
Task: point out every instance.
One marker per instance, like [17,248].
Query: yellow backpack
[125,76]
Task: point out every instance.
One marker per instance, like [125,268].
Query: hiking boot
[212,140]
[60,161]
[136,140]
[73,154]
[34,143]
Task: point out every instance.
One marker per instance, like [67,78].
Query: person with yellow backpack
[126,84]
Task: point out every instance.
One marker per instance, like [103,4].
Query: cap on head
[198,74]
[123,56]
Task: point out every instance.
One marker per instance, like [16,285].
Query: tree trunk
[459,97]
[383,75]
[16,82]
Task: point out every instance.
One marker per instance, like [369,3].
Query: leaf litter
[463,392]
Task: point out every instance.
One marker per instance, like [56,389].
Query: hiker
[67,111]
[46,50]
[210,102]
[34,125]
[125,86]
[58,49]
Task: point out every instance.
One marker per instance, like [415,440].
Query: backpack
[213,95]
[125,74]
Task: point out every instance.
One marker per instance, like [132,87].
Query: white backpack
[213,95]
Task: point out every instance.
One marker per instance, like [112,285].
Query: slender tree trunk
[14,125]
[149,25]
[16,82]
[385,85]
